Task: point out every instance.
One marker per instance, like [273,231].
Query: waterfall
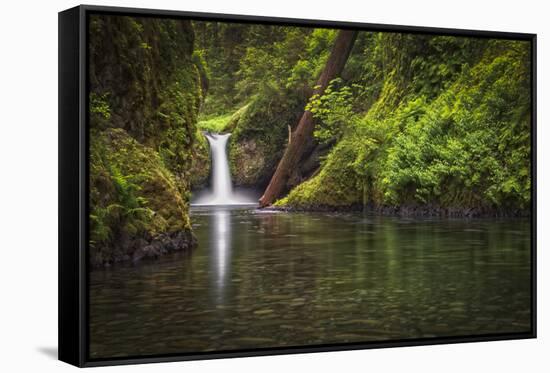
[221,178]
[222,188]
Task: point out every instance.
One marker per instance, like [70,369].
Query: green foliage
[334,109]
[216,123]
[334,185]
[317,47]
[263,75]
[248,60]
[132,195]
[472,145]
[99,105]
[146,89]
[145,79]
[203,72]
[281,64]
[449,126]
[144,45]
[128,211]
[200,167]
[221,47]
[413,120]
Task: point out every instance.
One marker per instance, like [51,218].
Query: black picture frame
[74,189]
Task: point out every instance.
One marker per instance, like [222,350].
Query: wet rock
[409,210]
[164,244]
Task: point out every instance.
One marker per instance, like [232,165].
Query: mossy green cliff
[145,94]
[444,132]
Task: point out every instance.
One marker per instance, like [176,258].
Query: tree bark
[304,130]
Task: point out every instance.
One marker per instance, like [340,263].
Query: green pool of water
[267,279]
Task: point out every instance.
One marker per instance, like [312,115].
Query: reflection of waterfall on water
[222,191]
[221,239]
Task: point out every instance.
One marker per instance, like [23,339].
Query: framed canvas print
[237,186]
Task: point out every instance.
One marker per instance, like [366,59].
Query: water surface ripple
[267,279]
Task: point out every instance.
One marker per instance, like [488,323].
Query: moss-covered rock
[259,136]
[335,186]
[144,79]
[134,200]
[146,89]
[201,164]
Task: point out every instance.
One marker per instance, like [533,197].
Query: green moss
[152,92]
[216,123]
[334,186]
[201,165]
[133,196]
[99,106]
[461,143]
[471,145]
[146,92]
[260,134]
[235,118]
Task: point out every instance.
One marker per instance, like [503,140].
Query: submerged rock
[165,243]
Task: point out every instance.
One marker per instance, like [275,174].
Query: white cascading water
[222,189]
[221,178]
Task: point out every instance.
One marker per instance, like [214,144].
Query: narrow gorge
[268,186]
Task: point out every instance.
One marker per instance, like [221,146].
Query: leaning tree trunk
[304,131]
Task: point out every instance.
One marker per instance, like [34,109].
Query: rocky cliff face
[145,93]
[259,136]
